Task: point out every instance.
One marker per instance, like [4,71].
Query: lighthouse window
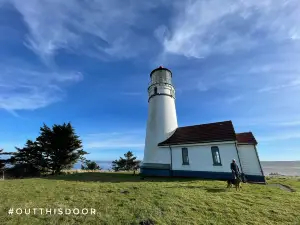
[161,78]
[216,156]
[155,90]
[185,156]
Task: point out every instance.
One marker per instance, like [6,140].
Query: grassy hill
[125,199]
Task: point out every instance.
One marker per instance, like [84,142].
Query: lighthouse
[202,150]
[162,120]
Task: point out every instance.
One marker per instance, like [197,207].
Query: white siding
[200,158]
[162,119]
[249,160]
[162,122]
[159,155]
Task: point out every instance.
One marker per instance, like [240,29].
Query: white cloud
[30,89]
[268,121]
[205,27]
[279,136]
[291,84]
[90,27]
[161,32]
[114,140]
[288,123]
[198,28]
[201,86]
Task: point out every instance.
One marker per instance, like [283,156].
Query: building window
[216,156]
[185,156]
[155,90]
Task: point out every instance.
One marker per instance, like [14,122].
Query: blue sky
[88,62]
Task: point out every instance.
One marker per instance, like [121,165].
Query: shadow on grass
[112,177]
[216,190]
[211,190]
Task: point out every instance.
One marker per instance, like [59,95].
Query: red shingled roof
[246,138]
[212,132]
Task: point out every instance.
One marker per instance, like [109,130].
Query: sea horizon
[287,168]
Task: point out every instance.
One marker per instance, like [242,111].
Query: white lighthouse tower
[162,120]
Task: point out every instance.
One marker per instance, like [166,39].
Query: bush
[22,170]
[90,165]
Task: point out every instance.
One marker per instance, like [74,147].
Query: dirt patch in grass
[283,187]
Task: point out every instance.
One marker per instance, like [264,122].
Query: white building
[203,151]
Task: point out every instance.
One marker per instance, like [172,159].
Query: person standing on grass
[234,169]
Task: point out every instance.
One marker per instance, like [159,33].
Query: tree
[53,150]
[118,165]
[90,165]
[129,163]
[31,155]
[17,159]
[61,146]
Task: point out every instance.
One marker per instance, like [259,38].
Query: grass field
[125,199]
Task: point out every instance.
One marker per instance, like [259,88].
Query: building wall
[249,160]
[161,124]
[201,162]
[200,157]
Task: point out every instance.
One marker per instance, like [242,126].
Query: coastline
[270,168]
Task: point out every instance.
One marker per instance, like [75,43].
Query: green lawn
[164,201]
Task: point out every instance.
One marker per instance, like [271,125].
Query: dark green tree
[26,161]
[61,146]
[118,165]
[53,150]
[31,154]
[90,165]
[128,163]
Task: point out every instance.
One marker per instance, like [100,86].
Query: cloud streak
[28,88]
[292,84]
[266,122]
[203,28]
[96,28]
[279,137]
[114,140]
[197,28]
[259,85]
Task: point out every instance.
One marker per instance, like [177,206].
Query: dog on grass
[236,182]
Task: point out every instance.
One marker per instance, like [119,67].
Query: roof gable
[211,132]
[246,138]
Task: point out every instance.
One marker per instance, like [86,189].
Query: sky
[88,62]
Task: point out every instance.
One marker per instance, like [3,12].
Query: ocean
[287,168]
[105,165]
